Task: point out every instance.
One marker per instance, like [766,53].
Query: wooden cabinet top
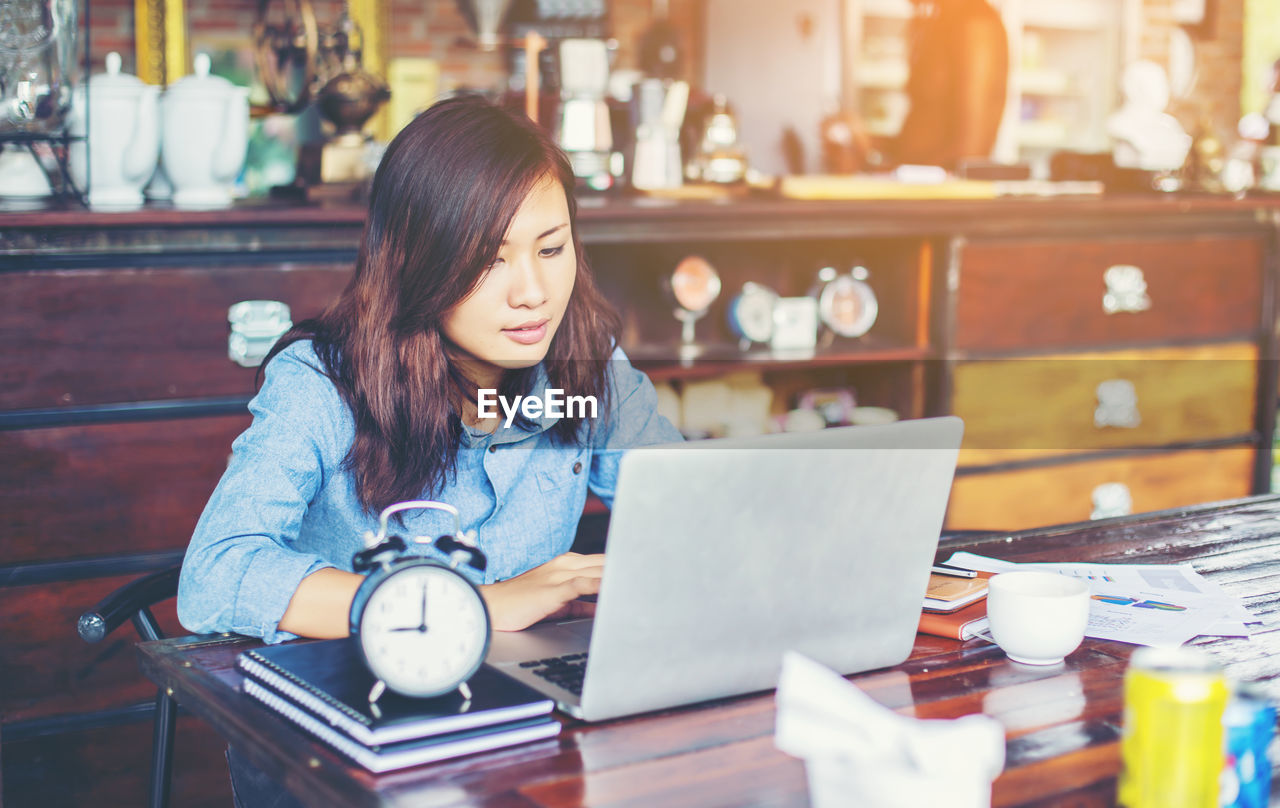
[271,227]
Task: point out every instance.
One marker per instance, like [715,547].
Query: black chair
[133,601]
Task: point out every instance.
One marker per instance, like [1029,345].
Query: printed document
[1146,604]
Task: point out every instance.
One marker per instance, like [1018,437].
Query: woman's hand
[551,590]
[321,605]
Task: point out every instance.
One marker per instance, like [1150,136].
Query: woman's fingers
[579,585]
[562,569]
[572,609]
[578,561]
[547,591]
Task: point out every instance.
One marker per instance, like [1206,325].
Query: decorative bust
[1144,135]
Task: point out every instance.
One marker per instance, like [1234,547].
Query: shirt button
[493,447]
[577,468]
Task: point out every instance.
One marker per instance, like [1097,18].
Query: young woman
[470,278]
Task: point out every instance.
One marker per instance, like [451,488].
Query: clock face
[848,306]
[695,284]
[751,313]
[424,630]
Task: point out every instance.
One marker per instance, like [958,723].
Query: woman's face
[508,320]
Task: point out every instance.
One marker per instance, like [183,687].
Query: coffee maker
[583,128]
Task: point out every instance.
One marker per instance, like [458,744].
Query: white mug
[1037,618]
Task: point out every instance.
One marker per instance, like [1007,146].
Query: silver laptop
[723,554]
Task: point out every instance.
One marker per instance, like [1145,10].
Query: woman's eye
[551,252]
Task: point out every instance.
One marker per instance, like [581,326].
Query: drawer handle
[1126,290]
[1117,405]
[1111,499]
[255,327]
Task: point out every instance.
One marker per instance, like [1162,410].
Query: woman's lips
[529,335]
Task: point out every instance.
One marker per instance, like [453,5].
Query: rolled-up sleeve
[634,421]
[242,566]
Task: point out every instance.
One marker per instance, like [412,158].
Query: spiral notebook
[387,757]
[328,679]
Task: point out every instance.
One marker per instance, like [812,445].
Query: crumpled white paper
[859,752]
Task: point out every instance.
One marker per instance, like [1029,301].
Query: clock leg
[465,691]
[375,693]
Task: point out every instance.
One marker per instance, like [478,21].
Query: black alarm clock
[422,627]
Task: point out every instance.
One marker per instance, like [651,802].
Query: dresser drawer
[71,492]
[1156,397]
[98,336]
[1077,491]
[1056,294]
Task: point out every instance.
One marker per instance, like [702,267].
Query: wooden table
[1063,724]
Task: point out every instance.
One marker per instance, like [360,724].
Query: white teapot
[123,136]
[206,130]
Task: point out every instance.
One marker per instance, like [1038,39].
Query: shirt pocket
[558,469]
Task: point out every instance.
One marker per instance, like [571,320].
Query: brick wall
[111,29]
[1215,96]
[423,28]
[436,29]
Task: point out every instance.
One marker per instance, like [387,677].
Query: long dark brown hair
[441,202]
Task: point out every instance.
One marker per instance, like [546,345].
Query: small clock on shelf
[751,314]
[795,326]
[422,628]
[846,302]
[693,286]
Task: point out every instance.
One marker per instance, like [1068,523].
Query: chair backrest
[132,601]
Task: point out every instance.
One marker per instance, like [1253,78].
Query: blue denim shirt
[286,507]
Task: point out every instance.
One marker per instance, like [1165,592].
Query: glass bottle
[38,64]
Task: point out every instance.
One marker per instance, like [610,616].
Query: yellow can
[1172,744]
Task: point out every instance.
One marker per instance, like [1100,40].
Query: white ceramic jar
[123,136]
[206,129]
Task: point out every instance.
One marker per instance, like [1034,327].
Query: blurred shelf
[1066,17]
[1045,82]
[884,128]
[890,9]
[665,362]
[884,74]
[1043,134]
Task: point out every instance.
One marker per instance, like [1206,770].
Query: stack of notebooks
[955,607]
[323,688]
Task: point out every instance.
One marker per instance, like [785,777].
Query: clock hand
[421,628]
[422,625]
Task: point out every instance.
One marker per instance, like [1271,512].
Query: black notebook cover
[329,679]
[412,752]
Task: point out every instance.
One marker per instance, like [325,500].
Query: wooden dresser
[1100,376]
[1086,389]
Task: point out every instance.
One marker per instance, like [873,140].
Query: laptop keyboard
[563,671]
